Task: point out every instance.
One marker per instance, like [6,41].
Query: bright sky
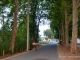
[42,28]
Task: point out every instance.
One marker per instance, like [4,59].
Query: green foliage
[21,37]
[48,33]
[46,38]
[5,41]
[57,15]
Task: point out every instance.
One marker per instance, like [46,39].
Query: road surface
[48,52]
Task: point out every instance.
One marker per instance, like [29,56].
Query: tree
[15,27]
[48,33]
[56,16]
[28,46]
[76,4]
[68,18]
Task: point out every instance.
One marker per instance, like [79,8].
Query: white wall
[78,40]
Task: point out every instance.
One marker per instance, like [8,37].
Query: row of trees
[15,13]
[64,16]
[15,29]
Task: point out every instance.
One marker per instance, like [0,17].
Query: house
[42,38]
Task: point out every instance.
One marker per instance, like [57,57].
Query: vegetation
[20,22]
[14,28]
[64,22]
[48,33]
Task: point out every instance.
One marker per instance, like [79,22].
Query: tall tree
[34,26]
[68,18]
[76,4]
[28,26]
[15,26]
[57,18]
[66,29]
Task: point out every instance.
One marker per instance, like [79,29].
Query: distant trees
[48,33]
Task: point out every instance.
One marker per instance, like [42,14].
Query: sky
[42,28]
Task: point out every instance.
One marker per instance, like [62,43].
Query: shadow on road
[41,59]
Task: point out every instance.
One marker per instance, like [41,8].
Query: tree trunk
[15,27]
[63,41]
[37,34]
[28,45]
[3,27]
[75,28]
[66,29]
[59,35]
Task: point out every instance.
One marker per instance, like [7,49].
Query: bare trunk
[28,45]
[66,29]
[3,28]
[59,35]
[63,41]
[75,28]
[15,27]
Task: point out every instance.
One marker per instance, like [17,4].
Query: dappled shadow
[41,59]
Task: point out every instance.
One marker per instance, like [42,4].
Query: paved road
[48,52]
